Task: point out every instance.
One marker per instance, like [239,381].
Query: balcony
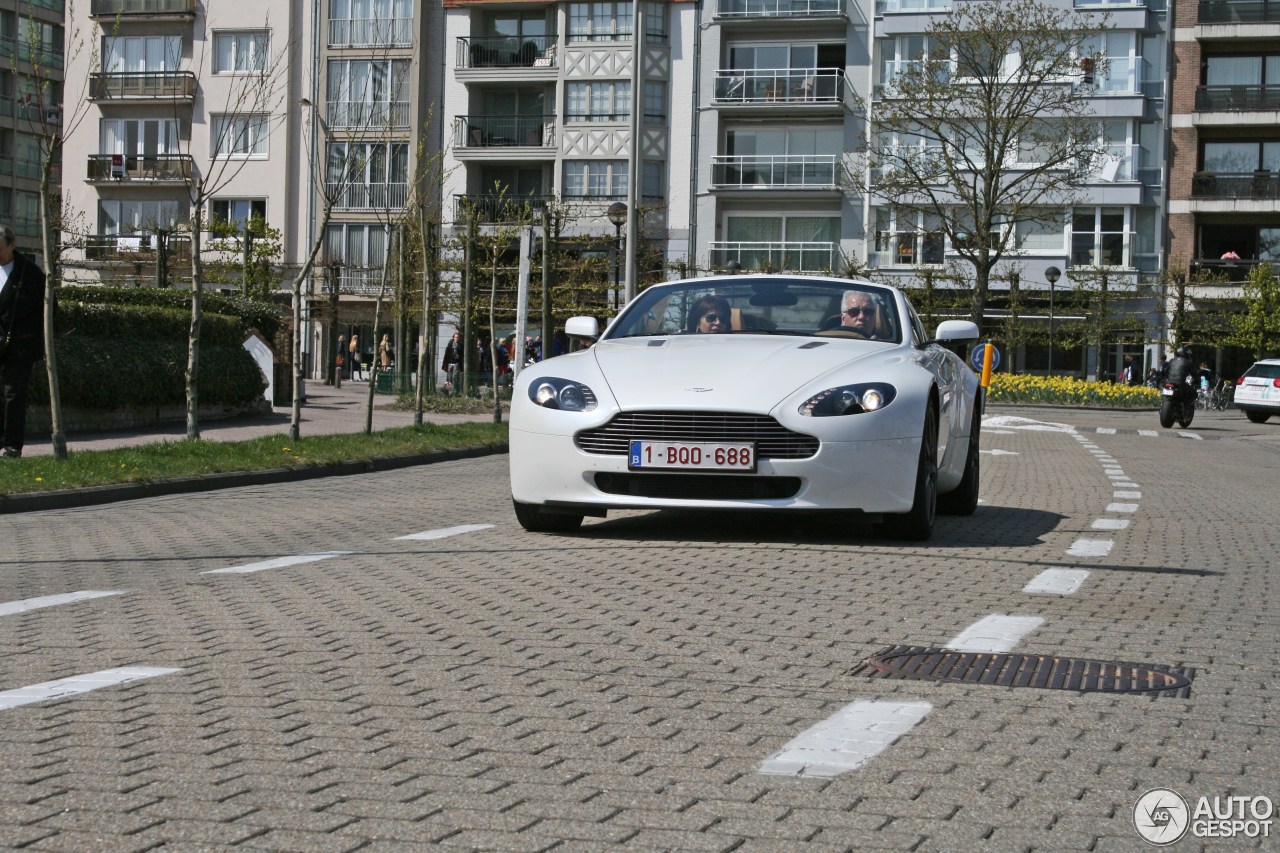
[1109,249]
[152,169]
[361,281]
[142,86]
[799,171]
[28,168]
[1238,12]
[911,7]
[1228,271]
[140,246]
[370,197]
[1236,185]
[504,131]
[368,115]
[781,86]
[153,9]
[774,9]
[370,32]
[501,52]
[782,256]
[498,208]
[44,55]
[1237,98]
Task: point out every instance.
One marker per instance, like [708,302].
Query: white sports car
[752,392]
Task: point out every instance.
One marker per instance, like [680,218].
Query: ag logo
[1161,816]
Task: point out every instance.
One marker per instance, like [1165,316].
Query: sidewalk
[327,411]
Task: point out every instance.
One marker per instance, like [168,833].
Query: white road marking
[1014,422]
[986,431]
[445,532]
[846,740]
[1117,475]
[1056,582]
[1149,432]
[994,633]
[1117,484]
[277,563]
[77,684]
[1130,495]
[1110,523]
[11,607]
[1191,435]
[1122,507]
[1107,430]
[1000,452]
[1090,548]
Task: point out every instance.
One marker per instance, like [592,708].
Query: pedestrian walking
[21,336]
[340,361]
[386,356]
[353,359]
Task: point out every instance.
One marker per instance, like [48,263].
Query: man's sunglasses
[855,311]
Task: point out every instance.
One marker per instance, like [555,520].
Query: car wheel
[917,524]
[535,519]
[1256,416]
[964,499]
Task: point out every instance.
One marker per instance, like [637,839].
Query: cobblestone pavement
[480,688]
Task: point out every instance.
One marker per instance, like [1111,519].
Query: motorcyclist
[1181,369]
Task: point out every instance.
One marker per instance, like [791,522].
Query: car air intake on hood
[772,439]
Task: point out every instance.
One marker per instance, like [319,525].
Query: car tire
[963,500]
[535,519]
[1258,417]
[916,525]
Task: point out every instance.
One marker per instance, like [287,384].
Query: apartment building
[173,92]
[31,47]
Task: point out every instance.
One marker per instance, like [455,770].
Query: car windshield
[763,305]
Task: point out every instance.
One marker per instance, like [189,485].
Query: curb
[94,495]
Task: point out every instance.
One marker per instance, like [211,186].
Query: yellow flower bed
[1068,391]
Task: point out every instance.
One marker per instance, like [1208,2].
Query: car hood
[744,372]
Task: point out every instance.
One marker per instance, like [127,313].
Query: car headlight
[565,394]
[849,400]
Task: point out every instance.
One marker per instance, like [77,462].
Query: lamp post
[1051,275]
[617,214]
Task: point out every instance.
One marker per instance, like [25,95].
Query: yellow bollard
[987,356]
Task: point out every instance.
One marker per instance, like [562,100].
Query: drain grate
[922,663]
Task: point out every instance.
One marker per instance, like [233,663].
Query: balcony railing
[504,131]
[1118,76]
[779,8]
[1232,98]
[156,167]
[370,32]
[767,85]
[169,85]
[1238,12]
[1231,270]
[111,8]
[803,171]
[25,167]
[45,55]
[909,6]
[1238,185]
[492,208]
[369,196]
[782,256]
[503,52]
[112,247]
[363,281]
[1117,163]
[368,115]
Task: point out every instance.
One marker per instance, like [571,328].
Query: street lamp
[1051,275]
[617,214]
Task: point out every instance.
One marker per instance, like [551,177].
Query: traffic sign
[979,353]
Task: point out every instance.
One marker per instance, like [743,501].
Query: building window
[599,22]
[598,100]
[1241,157]
[369,175]
[655,102]
[356,245]
[136,217]
[1045,235]
[368,93]
[1099,237]
[238,211]
[908,237]
[597,180]
[138,137]
[240,135]
[370,23]
[141,54]
[239,53]
[652,180]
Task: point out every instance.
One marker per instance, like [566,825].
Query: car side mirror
[955,332]
[586,327]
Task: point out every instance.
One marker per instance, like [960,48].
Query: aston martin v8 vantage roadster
[779,392]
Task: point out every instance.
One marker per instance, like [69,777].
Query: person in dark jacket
[1180,368]
[21,336]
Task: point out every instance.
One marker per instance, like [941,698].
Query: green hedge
[144,323]
[102,373]
[251,313]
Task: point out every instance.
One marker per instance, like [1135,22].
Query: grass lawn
[183,458]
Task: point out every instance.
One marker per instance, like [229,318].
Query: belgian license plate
[1168,392]
[692,457]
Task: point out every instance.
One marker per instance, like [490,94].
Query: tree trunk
[425,359]
[193,340]
[377,319]
[53,273]
[493,330]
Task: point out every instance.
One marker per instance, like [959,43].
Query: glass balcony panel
[782,171]
[784,256]
[365,114]
[370,32]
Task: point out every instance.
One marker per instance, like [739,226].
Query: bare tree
[990,128]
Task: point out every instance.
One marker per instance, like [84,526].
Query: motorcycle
[1177,403]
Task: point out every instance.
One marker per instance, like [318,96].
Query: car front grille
[703,487]
[772,439]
